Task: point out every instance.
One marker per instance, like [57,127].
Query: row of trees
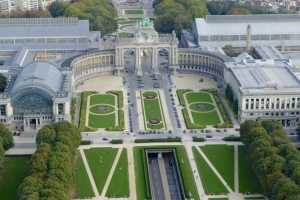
[52,165]
[101,13]
[3,82]
[6,141]
[177,14]
[274,158]
[231,98]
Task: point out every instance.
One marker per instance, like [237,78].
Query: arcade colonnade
[202,61]
[193,60]
[87,65]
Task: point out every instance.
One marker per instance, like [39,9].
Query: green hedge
[158,140]
[180,96]
[73,108]
[116,141]
[232,138]
[83,107]
[198,139]
[225,116]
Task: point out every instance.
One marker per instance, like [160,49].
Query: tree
[46,135]
[274,159]
[52,164]
[165,23]
[238,10]
[177,14]
[101,14]
[57,8]
[7,138]
[3,82]
[1,154]
[298,130]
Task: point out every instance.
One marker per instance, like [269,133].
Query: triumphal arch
[146,41]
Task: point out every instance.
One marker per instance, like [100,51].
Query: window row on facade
[44,40]
[272,103]
[253,37]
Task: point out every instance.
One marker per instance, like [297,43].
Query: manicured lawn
[15,169]
[141,174]
[152,110]
[201,106]
[102,99]
[119,185]
[207,118]
[134,12]
[82,183]
[222,157]
[101,108]
[187,175]
[199,97]
[102,121]
[211,182]
[247,178]
[100,162]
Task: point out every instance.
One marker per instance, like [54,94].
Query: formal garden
[201,109]
[102,111]
[152,110]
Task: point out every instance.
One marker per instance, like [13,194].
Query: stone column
[138,62]
[9,110]
[155,63]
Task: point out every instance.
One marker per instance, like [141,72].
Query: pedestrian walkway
[89,173]
[188,147]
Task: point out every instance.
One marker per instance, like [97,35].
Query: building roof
[237,24]
[265,78]
[41,75]
[43,27]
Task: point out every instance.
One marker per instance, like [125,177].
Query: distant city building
[7,6]
[265,90]
[47,33]
[281,31]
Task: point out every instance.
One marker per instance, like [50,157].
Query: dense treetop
[52,165]
[177,14]
[101,13]
[275,160]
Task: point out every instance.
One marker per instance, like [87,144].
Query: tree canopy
[6,141]
[275,160]
[52,165]
[177,14]
[101,13]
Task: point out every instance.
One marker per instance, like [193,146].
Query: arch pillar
[138,66]
[155,60]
